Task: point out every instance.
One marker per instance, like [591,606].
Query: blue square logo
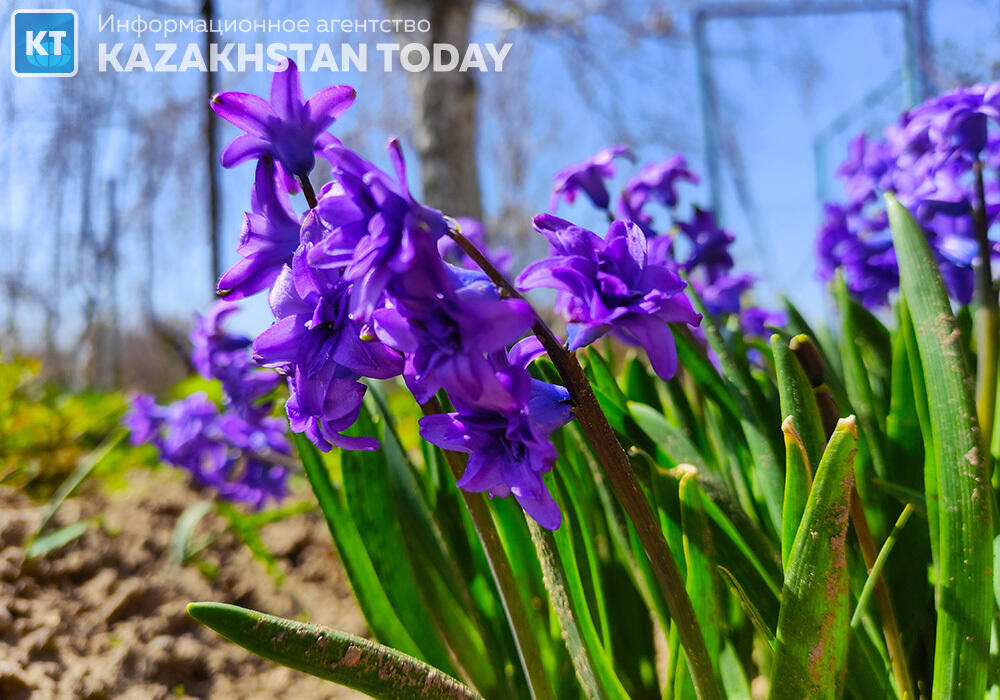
[43,43]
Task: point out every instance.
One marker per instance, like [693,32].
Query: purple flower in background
[270,235]
[609,285]
[656,181]
[143,419]
[723,295]
[754,320]
[218,354]
[221,451]
[709,245]
[507,442]
[588,177]
[230,449]
[866,169]
[288,128]
[957,122]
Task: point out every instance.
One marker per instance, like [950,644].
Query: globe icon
[52,60]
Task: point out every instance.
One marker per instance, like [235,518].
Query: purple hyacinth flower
[588,177]
[610,286]
[508,445]
[755,321]
[957,121]
[270,235]
[446,341]
[380,236]
[289,128]
[655,181]
[867,169]
[316,342]
[218,354]
[143,419]
[709,245]
[723,295]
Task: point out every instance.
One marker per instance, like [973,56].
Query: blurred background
[115,220]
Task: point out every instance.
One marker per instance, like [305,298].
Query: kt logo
[43,43]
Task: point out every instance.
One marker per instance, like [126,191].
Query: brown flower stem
[308,191]
[890,627]
[503,575]
[615,463]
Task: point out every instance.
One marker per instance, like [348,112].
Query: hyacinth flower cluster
[933,159]
[696,247]
[239,450]
[370,284]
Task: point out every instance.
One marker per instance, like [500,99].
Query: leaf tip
[849,424]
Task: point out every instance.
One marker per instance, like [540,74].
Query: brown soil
[104,616]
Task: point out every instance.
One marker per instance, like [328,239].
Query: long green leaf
[964,586]
[372,505]
[357,663]
[811,647]
[374,604]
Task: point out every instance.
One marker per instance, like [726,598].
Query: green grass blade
[811,647]
[880,560]
[56,539]
[964,595]
[85,467]
[357,663]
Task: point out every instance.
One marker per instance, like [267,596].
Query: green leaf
[798,480]
[811,646]
[880,560]
[758,419]
[700,580]
[58,539]
[593,667]
[798,399]
[862,397]
[964,586]
[357,663]
[372,507]
[84,468]
[378,611]
[671,444]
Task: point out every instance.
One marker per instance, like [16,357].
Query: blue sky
[780,82]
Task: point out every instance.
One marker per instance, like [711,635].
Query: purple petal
[327,105]
[249,112]
[244,147]
[286,92]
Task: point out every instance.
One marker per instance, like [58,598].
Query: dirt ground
[104,616]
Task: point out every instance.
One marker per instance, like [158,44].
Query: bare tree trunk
[444,110]
[212,147]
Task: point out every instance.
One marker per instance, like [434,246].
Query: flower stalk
[517,615]
[615,463]
[987,315]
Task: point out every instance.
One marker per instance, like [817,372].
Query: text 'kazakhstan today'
[240,58]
